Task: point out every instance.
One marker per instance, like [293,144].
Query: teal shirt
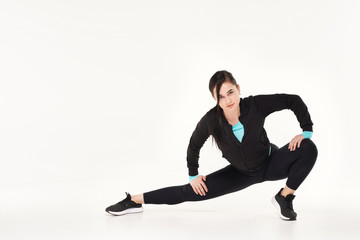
[238,130]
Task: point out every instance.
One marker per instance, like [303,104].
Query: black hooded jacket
[251,153]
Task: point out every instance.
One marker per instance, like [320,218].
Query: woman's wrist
[307,134]
[192,177]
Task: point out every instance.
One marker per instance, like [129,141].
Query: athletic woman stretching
[237,126]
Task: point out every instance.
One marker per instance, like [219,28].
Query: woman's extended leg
[223,181]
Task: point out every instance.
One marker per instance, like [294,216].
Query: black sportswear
[250,154]
[281,163]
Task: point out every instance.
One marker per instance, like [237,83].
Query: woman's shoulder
[210,114]
[246,101]
[212,110]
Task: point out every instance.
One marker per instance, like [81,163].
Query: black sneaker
[284,205]
[124,207]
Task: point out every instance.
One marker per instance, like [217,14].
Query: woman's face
[229,97]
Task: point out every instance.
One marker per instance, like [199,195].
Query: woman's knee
[309,145]
[309,148]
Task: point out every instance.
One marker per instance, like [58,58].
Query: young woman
[237,126]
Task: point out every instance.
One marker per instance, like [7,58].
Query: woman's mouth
[231,105]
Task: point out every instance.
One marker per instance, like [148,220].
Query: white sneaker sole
[277,206]
[130,210]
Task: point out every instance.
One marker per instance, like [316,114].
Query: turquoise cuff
[192,177]
[307,134]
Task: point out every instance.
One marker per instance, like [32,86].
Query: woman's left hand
[295,142]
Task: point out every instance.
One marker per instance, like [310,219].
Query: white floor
[76,211]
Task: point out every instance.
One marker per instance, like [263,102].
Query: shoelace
[290,204]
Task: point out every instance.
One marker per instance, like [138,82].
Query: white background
[101,97]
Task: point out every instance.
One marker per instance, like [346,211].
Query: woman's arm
[197,140]
[267,104]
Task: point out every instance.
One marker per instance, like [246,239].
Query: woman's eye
[230,92]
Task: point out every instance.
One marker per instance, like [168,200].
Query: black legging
[281,163]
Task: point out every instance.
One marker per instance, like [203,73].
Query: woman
[236,125]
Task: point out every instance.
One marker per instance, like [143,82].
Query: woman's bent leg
[220,182]
[295,165]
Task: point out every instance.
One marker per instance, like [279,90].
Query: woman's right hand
[198,185]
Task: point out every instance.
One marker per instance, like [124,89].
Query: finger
[202,191]
[199,190]
[299,143]
[204,186]
[194,188]
[294,144]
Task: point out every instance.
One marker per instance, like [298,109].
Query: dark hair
[216,124]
